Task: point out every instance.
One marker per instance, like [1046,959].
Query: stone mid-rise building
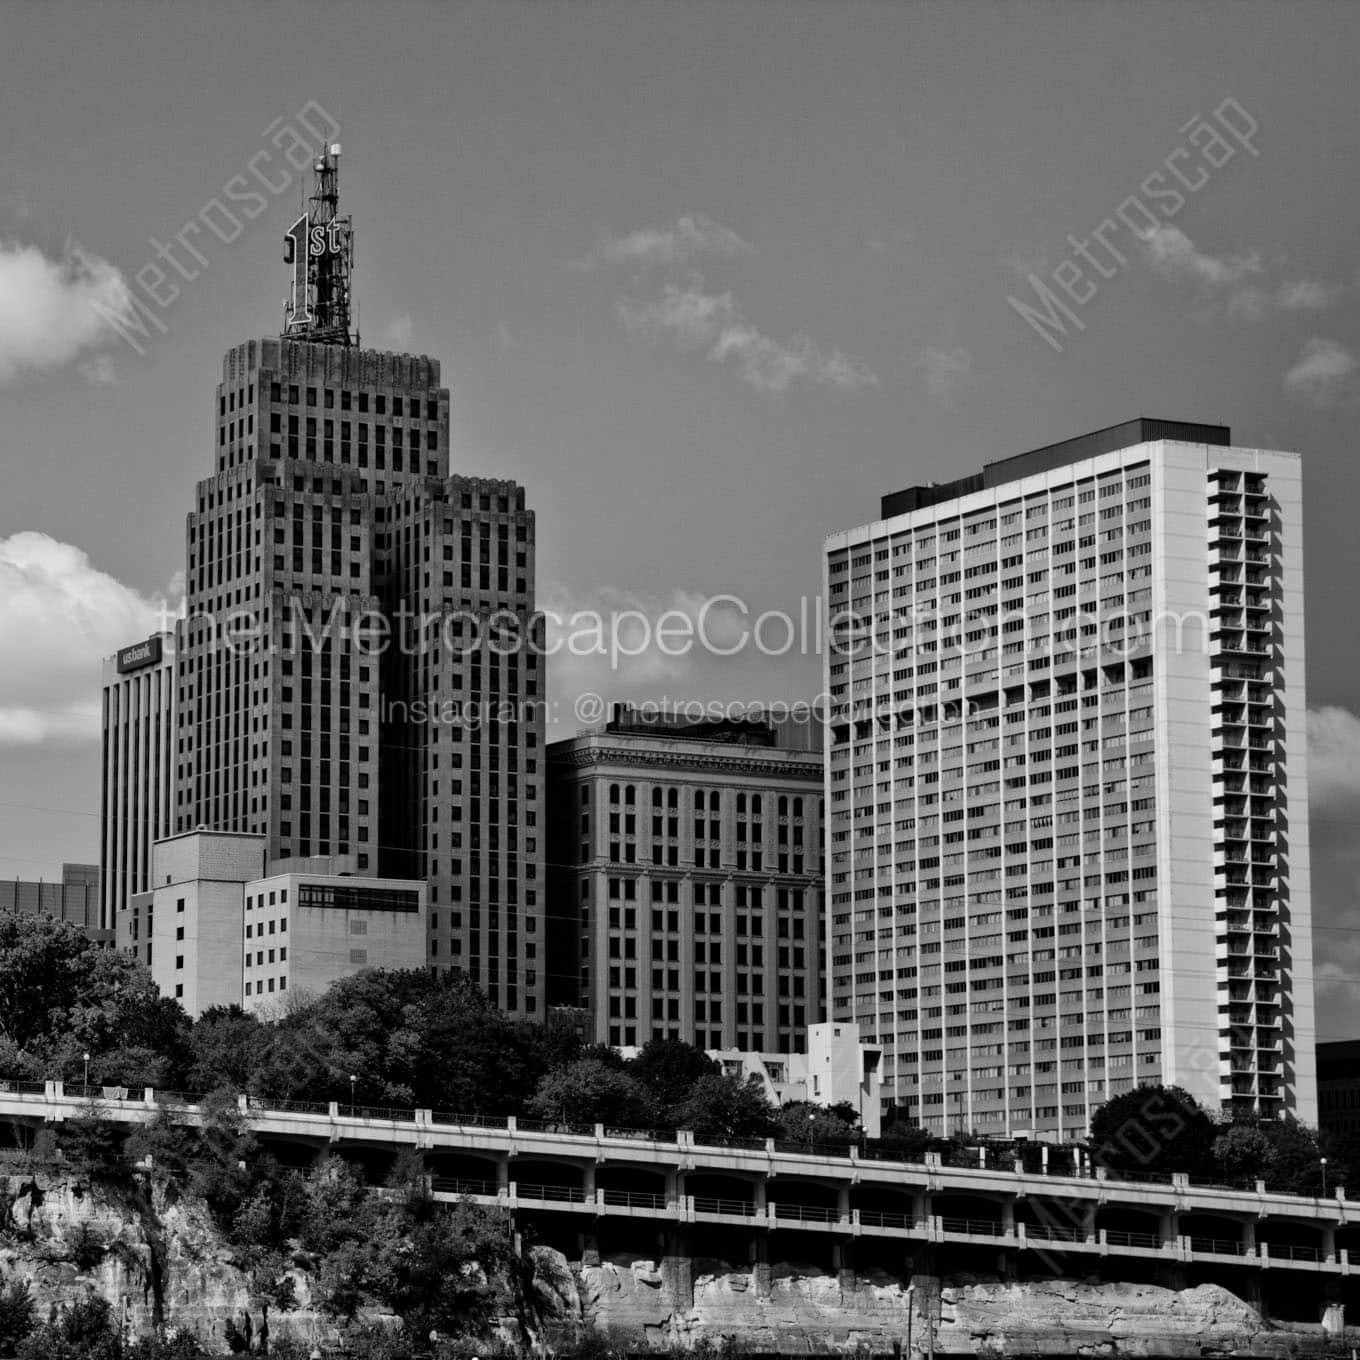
[343,687]
[686,881]
[1067,798]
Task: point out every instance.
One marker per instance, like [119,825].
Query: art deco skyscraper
[1067,798]
[341,686]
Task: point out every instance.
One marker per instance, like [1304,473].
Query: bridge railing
[708,1204]
[469,1121]
[1061,1163]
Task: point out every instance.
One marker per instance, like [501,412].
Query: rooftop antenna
[320,248]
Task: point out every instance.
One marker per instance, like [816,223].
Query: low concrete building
[221,927]
[304,931]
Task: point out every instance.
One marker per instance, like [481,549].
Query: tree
[224,1049]
[1242,1151]
[1153,1130]
[800,1122]
[669,1069]
[1294,1164]
[588,1092]
[62,997]
[721,1106]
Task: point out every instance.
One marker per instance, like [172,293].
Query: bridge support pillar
[1333,1310]
[843,1260]
[1254,1289]
[589,1242]
[760,1265]
[923,1277]
[677,1270]
[1171,1274]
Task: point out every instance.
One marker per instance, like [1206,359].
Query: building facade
[1067,832]
[224,928]
[304,931]
[75,899]
[686,881]
[137,788]
[354,674]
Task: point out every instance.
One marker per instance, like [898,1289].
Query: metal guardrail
[451,1185]
[550,1194]
[267,1105]
[807,1213]
[881,1218]
[469,1121]
[975,1227]
[633,1199]
[740,1208]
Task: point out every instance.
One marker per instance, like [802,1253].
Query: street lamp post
[1324,1176]
[87,1069]
[352,1080]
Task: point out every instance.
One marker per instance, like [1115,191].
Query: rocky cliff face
[158,1260]
[805,1309]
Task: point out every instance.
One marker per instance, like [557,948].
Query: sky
[708,279]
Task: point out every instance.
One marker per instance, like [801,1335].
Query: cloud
[1173,255]
[677,647]
[59,617]
[99,371]
[948,373]
[1243,281]
[1333,759]
[684,240]
[715,323]
[1323,374]
[50,310]
[397,333]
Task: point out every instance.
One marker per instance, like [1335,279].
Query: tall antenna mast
[320,248]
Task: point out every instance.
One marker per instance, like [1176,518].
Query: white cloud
[1243,281]
[59,617]
[1323,374]
[948,373]
[715,323]
[684,240]
[99,371]
[50,310]
[1174,255]
[397,333]
[1333,758]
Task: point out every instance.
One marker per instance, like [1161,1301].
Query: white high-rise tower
[1067,797]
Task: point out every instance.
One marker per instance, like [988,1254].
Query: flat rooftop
[1141,431]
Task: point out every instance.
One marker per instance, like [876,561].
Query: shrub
[16,1315]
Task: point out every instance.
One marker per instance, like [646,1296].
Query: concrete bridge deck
[674,1180]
